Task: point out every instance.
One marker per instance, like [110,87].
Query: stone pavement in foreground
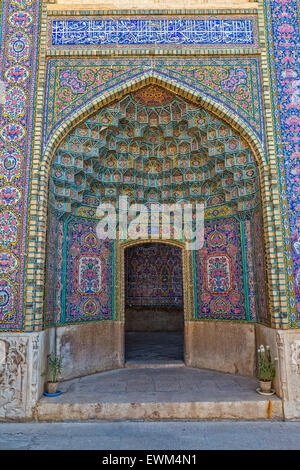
[159,393]
[147,435]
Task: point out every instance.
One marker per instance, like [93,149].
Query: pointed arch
[199,98]
[41,171]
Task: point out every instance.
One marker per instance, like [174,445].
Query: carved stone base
[285,344]
[22,359]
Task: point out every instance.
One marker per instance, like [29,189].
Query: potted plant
[53,371]
[266,370]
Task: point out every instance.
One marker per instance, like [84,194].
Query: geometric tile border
[282,27]
[20,27]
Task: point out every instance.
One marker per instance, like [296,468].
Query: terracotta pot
[265,386]
[51,387]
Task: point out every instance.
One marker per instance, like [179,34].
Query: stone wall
[154,319]
[223,346]
[90,348]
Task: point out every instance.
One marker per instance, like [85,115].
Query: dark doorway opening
[154,319]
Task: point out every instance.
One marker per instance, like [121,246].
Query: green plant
[54,368]
[266,367]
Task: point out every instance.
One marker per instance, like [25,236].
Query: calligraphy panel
[152,31]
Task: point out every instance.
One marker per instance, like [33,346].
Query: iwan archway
[155,147]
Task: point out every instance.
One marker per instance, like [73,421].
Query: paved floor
[174,384]
[157,348]
[150,435]
[158,394]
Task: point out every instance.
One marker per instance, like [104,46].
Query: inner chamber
[154,310]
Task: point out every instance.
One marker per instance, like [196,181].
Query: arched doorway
[154,310]
[155,147]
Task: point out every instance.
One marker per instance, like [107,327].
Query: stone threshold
[159,393]
[153,365]
[235,410]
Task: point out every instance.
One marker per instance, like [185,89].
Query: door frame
[187,281]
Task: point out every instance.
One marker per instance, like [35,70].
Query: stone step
[159,393]
[206,410]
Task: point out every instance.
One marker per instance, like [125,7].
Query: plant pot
[265,387]
[51,387]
